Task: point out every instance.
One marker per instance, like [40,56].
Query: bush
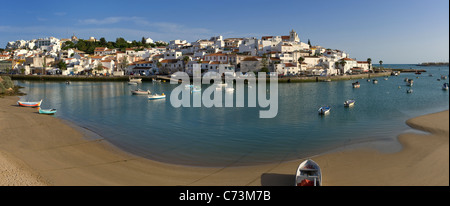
[2,89]
[7,82]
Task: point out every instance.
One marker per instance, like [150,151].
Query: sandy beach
[44,150]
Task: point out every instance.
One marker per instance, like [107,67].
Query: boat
[230,89]
[349,103]
[29,104]
[406,79]
[417,72]
[368,80]
[156,80]
[137,80]
[445,86]
[443,77]
[140,92]
[47,111]
[430,75]
[324,110]
[409,91]
[375,81]
[308,174]
[410,83]
[386,79]
[67,82]
[156,96]
[356,84]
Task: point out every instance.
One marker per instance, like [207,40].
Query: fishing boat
[445,86]
[349,103]
[308,174]
[140,92]
[47,111]
[29,104]
[156,96]
[409,91]
[410,83]
[375,81]
[324,110]
[356,85]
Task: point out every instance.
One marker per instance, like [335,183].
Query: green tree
[103,41]
[309,43]
[300,60]
[381,64]
[369,61]
[62,65]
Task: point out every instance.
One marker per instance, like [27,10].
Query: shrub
[7,82]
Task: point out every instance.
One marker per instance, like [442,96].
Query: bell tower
[294,36]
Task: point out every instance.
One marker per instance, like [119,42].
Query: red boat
[29,104]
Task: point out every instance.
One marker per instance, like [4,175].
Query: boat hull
[47,111]
[308,174]
[29,104]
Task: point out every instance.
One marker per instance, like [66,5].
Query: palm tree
[343,63]
[300,60]
[369,60]
[381,64]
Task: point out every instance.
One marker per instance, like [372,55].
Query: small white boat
[230,89]
[156,96]
[386,79]
[349,103]
[406,79]
[140,92]
[443,77]
[445,86]
[375,81]
[409,91]
[308,174]
[132,83]
[324,110]
[137,80]
[368,80]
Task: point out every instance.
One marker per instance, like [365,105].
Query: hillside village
[286,55]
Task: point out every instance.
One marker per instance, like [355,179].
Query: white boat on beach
[349,103]
[324,110]
[308,174]
[156,96]
[140,92]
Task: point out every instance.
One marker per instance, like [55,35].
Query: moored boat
[409,91]
[356,84]
[375,81]
[138,80]
[445,86]
[140,92]
[47,111]
[308,174]
[410,83]
[29,104]
[349,103]
[132,83]
[406,79]
[324,110]
[156,96]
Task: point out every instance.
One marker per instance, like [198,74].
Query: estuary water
[217,137]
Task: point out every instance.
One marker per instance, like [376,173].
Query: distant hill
[433,64]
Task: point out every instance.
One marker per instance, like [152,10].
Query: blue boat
[47,111]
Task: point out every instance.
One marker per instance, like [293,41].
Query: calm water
[237,136]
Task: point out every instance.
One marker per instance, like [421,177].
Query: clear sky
[395,31]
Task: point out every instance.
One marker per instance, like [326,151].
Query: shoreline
[49,151]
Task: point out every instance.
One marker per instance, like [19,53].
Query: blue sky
[395,31]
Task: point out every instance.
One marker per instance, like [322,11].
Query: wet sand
[43,150]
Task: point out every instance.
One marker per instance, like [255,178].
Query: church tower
[294,36]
